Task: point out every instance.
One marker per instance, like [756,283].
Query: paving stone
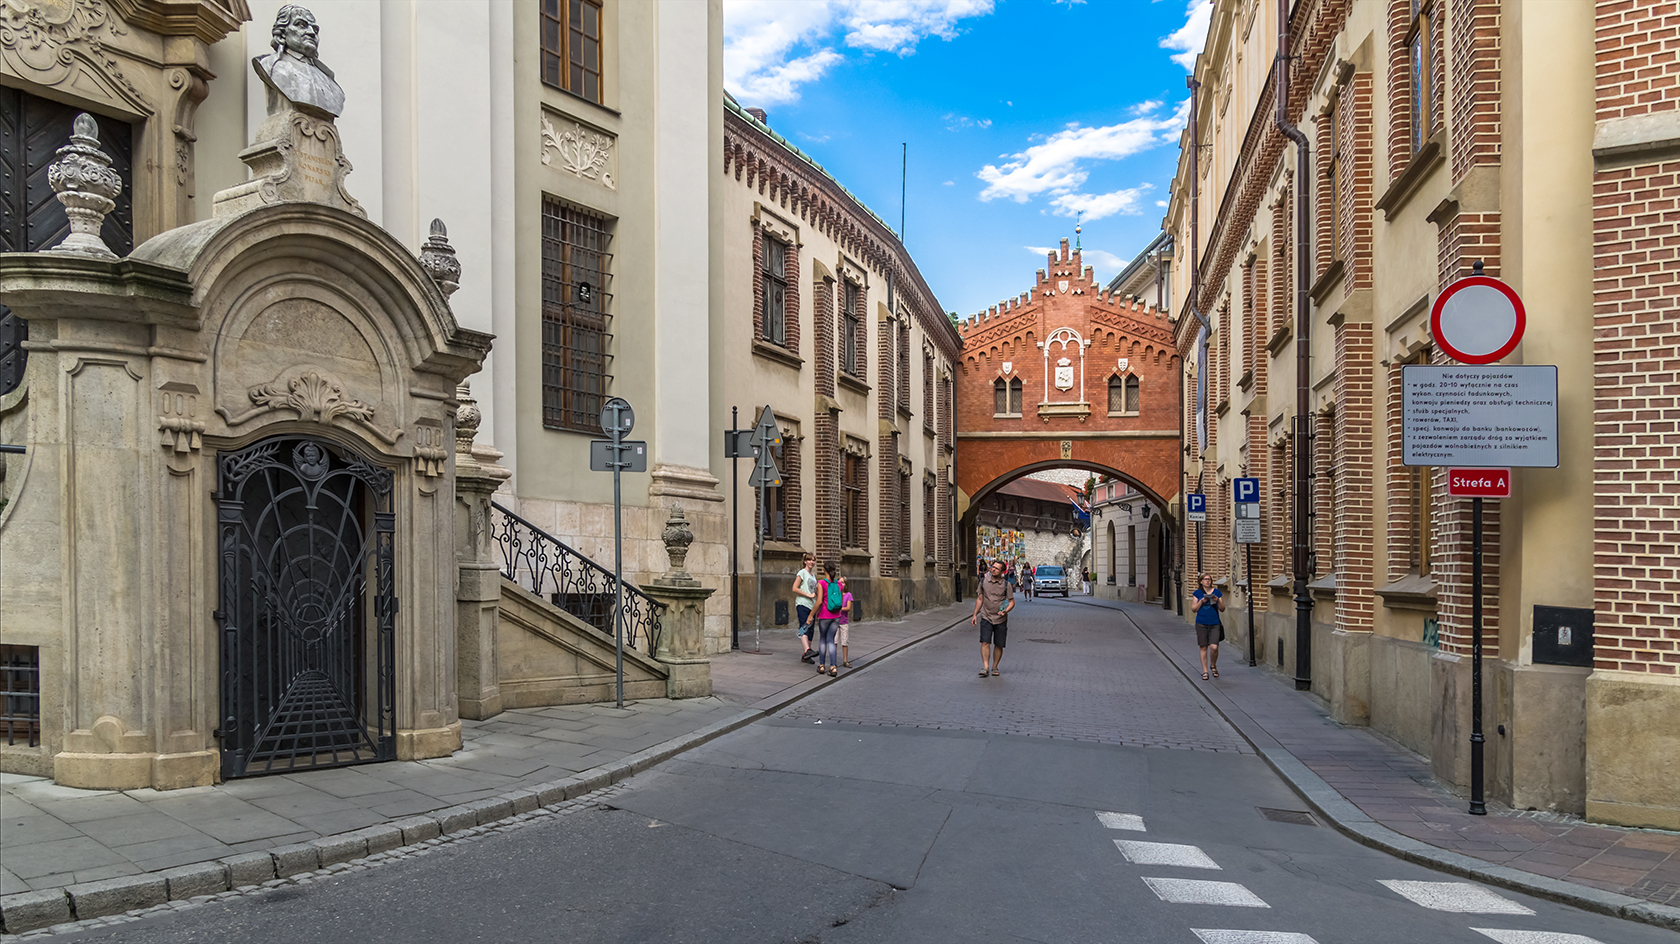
[491,810]
[524,801]
[116,895]
[190,881]
[381,838]
[456,818]
[293,859]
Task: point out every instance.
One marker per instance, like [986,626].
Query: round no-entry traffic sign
[1477,320]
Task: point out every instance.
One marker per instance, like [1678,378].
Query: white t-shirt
[807,587]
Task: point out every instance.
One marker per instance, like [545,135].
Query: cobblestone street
[1069,671]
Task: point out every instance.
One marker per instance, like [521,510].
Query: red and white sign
[1477,320]
[1479,483]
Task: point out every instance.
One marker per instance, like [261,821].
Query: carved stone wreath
[313,396]
[584,153]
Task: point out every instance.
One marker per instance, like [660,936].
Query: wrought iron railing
[560,574]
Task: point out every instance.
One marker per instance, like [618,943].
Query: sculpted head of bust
[296,31]
[292,72]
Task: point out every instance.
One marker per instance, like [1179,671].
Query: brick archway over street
[1066,376]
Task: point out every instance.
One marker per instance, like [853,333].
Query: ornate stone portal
[177,401]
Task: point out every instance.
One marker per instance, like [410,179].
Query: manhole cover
[1054,641]
[1298,817]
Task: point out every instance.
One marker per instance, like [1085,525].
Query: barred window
[1334,173]
[571,46]
[1006,397]
[903,515]
[854,505]
[775,291]
[904,367]
[851,323]
[928,537]
[575,342]
[775,499]
[20,694]
[1116,394]
[927,390]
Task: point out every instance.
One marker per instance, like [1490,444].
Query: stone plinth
[682,643]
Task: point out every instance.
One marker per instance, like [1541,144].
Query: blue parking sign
[1195,507]
[1245,490]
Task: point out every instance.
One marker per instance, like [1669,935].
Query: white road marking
[1252,936]
[1164,853]
[1130,821]
[1535,937]
[1461,897]
[1185,891]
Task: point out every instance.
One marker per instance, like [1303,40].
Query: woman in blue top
[1209,603]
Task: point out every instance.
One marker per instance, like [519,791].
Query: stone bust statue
[293,73]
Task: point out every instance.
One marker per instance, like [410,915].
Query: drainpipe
[1195,302]
[1302,523]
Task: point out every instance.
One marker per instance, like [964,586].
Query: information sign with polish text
[1480,417]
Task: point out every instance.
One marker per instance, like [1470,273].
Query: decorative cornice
[209,21]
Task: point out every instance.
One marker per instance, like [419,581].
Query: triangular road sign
[767,432]
[769,478]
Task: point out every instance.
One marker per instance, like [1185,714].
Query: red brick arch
[1140,448]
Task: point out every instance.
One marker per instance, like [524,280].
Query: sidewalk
[1386,796]
[70,854]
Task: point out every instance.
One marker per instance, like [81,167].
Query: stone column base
[421,743]
[1347,669]
[690,678]
[133,771]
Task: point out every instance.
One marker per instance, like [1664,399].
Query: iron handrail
[561,574]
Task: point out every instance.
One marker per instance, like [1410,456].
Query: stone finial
[677,539]
[467,418]
[437,257]
[84,182]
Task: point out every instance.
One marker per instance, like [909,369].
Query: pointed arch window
[1006,397]
[1123,394]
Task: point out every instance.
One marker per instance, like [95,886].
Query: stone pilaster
[478,588]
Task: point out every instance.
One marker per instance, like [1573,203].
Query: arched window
[1116,394]
[1131,393]
[1006,397]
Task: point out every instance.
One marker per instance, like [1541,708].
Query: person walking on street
[1208,604]
[845,623]
[1026,581]
[991,613]
[830,600]
[805,600]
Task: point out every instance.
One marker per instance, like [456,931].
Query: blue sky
[1020,116]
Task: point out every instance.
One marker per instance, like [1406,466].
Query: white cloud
[1104,261]
[956,122]
[1056,166]
[1189,38]
[950,183]
[1144,108]
[1039,250]
[1095,206]
[1162,203]
[771,48]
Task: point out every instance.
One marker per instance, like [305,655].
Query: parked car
[1050,579]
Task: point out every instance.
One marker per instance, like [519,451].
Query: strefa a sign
[1479,483]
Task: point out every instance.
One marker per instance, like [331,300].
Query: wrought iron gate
[307,573]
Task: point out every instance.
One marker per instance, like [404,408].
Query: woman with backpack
[830,602]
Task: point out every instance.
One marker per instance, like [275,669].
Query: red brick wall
[1355,537]
[886,452]
[1636,319]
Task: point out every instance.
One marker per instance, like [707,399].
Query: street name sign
[1480,417]
[1195,507]
[1479,483]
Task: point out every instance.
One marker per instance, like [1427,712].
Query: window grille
[1015,396]
[851,322]
[575,341]
[928,529]
[20,694]
[904,368]
[774,524]
[571,46]
[927,390]
[775,291]
[903,515]
[1000,396]
[1116,394]
[1333,172]
[1132,386]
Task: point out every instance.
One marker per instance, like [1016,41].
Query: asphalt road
[919,802]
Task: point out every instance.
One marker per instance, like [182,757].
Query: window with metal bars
[904,367]
[775,291]
[20,694]
[927,390]
[854,505]
[903,515]
[929,539]
[571,46]
[851,326]
[1006,396]
[575,342]
[774,523]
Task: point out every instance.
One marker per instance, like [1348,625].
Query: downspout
[1301,559]
[1195,309]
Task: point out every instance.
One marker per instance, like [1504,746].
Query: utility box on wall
[1563,635]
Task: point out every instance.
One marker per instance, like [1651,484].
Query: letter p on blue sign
[1245,490]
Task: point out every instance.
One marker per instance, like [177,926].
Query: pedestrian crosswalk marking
[1130,821]
[1461,897]
[1535,937]
[1164,853]
[1185,891]
[1208,936]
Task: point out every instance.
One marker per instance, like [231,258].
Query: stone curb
[27,911]
[1358,825]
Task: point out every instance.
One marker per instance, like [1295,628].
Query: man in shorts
[805,599]
[991,611]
